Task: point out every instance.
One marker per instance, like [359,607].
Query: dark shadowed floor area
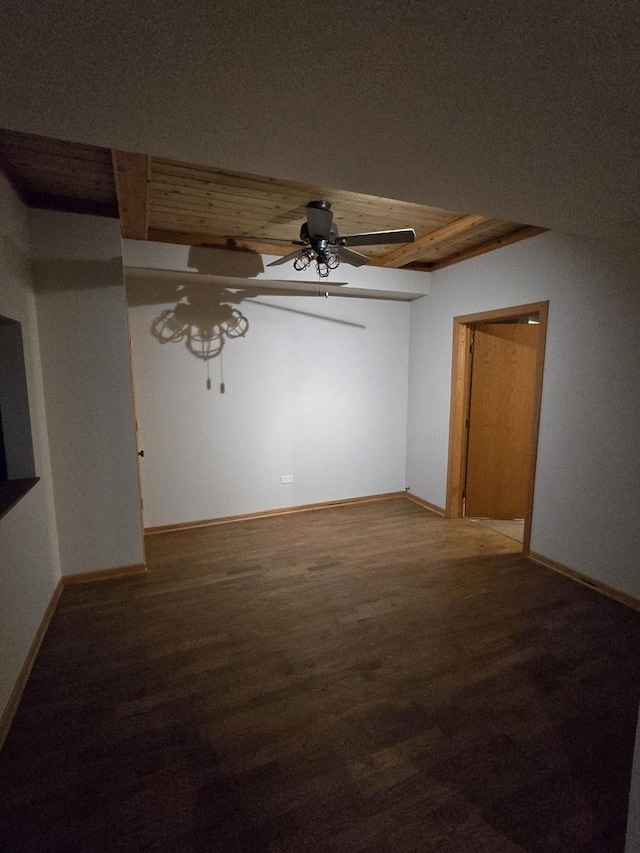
[362,678]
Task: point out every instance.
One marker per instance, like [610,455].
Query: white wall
[528,113]
[317,388]
[82,323]
[587,507]
[29,563]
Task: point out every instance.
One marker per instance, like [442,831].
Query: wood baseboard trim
[16,694]
[438,510]
[289,510]
[602,588]
[104,574]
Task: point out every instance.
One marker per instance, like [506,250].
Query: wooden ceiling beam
[405,254]
[131,175]
[496,243]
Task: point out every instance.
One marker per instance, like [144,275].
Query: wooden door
[501,420]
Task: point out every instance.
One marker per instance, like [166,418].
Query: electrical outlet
[286,478]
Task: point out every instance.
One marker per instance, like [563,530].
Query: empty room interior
[319,428]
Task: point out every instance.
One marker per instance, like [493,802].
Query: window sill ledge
[11,491]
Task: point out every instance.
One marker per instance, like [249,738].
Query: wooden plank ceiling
[169,201]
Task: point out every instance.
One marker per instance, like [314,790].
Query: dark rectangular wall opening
[17,467]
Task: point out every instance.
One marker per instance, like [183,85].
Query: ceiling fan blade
[375,238]
[284,259]
[354,258]
[319,219]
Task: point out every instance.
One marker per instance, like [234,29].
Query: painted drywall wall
[316,388]
[526,112]
[587,507]
[29,562]
[82,323]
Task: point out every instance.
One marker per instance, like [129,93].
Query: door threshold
[511,527]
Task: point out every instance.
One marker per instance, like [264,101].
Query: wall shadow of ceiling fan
[321,242]
[206,314]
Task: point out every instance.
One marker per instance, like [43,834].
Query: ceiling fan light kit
[322,243]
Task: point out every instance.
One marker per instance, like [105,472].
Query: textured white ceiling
[528,112]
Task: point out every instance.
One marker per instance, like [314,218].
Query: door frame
[136,434]
[460,390]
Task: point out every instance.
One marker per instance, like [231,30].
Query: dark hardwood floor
[364,678]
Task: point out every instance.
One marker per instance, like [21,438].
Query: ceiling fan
[321,242]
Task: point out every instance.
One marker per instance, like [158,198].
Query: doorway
[498,360]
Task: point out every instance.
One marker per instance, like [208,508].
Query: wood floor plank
[362,678]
